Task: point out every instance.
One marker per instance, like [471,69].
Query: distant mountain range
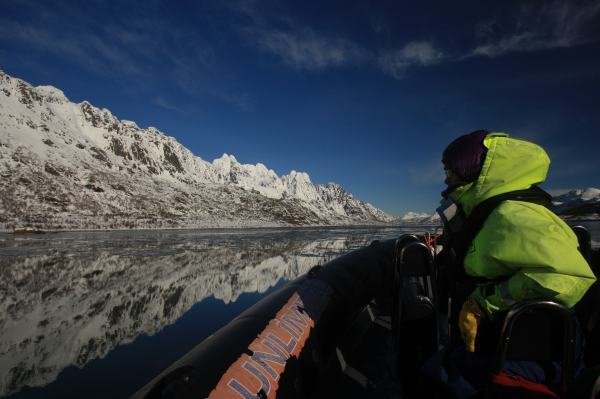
[71,166]
[75,166]
[421,218]
[572,205]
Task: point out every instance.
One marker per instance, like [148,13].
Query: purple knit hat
[465,155]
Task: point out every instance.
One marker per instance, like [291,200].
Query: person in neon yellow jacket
[523,243]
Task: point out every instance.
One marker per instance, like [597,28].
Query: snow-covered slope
[66,165]
[417,218]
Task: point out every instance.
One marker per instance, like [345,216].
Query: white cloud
[417,53]
[140,51]
[539,27]
[305,49]
[166,104]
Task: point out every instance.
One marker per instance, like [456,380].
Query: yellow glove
[468,321]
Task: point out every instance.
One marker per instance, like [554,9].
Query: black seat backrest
[538,331]
[416,260]
[584,239]
[414,284]
[539,334]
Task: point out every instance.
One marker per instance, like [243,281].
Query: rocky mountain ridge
[72,166]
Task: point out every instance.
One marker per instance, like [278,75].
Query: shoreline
[221,228]
[240,227]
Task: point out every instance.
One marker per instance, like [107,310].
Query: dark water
[99,314]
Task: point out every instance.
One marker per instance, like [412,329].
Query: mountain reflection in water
[67,299]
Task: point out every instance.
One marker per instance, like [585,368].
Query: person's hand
[468,321]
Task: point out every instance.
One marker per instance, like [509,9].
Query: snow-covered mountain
[66,165]
[420,218]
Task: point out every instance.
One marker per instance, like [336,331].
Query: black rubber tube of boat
[332,294]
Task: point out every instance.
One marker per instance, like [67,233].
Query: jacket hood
[510,164]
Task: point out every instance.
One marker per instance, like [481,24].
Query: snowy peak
[298,185]
[578,204]
[414,215]
[62,162]
[586,194]
[420,218]
[227,170]
[52,94]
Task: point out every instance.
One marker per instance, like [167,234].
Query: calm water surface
[99,314]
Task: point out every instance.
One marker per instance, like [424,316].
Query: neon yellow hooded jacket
[522,240]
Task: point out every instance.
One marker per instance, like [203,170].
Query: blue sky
[363,93]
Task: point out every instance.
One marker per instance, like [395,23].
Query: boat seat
[584,240]
[415,335]
[539,331]
[414,291]
[413,280]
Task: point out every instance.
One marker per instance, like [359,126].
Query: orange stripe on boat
[282,338]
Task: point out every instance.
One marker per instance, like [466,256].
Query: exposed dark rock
[115,314]
[138,307]
[114,127]
[92,274]
[100,155]
[17,375]
[171,299]
[140,154]
[90,115]
[54,200]
[47,293]
[171,158]
[94,188]
[119,187]
[117,147]
[51,169]
[28,95]
[87,351]
[97,307]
